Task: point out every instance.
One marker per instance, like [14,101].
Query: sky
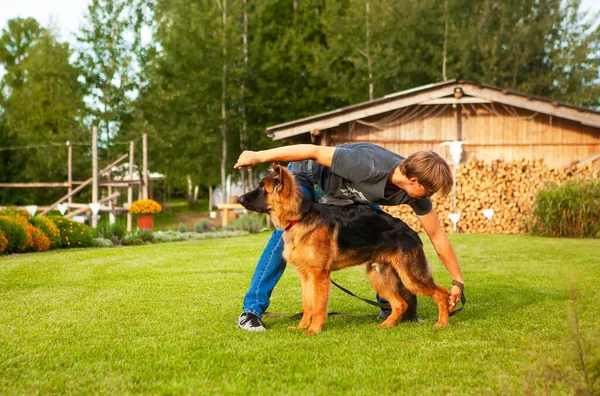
[67,15]
[64,15]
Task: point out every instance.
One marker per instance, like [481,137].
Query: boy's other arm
[445,252]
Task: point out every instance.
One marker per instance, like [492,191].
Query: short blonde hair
[432,171]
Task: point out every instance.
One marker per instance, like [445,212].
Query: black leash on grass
[387,306]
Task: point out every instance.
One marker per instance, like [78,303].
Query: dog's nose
[242,199]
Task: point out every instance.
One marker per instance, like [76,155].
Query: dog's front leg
[321,285]
[307,294]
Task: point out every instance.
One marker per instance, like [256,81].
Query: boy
[360,173]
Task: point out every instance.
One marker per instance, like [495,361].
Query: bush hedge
[72,233]
[204,226]
[3,242]
[16,235]
[50,229]
[250,222]
[115,232]
[568,210]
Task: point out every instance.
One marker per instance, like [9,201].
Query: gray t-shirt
[359,173]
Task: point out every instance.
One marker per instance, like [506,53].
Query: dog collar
[292,223]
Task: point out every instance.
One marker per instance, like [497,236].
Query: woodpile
[509,188]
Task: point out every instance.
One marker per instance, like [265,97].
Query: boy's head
[430,170]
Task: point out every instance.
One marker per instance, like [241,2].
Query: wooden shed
[493,124]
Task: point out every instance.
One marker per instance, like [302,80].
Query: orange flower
[145,207]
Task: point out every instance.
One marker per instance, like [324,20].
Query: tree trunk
[243,131]
[445,55]
[367,44]
[223,97]
[191,200]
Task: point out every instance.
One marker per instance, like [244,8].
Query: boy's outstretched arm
[298,152]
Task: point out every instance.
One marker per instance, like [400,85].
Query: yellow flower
[145,207]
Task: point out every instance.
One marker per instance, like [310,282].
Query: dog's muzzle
[247,202]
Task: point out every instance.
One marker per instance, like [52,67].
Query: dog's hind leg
[416,277]
[385,281]
[321,283]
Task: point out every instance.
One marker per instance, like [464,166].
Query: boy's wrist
[458,283]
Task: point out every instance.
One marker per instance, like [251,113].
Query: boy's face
[411,185]
[417,190]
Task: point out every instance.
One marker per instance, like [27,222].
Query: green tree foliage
[302,57]
[547,48]
[107,55]
[181,103]
[42,106]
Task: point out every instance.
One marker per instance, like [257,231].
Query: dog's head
[276,188]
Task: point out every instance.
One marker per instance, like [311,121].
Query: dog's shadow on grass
[508,301]
[505,301]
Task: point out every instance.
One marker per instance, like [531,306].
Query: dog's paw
[312,331]
[304,325]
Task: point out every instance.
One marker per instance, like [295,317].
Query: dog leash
[463,299]
[387,306]
[298,316]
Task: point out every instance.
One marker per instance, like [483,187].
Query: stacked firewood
[509,188]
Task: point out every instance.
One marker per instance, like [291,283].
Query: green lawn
[160,319]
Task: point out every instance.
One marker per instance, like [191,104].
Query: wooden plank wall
[492,133]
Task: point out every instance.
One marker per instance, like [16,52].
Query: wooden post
[130,187]
[94,172]
[82,185]
[145,164]
[458,117]
[70,170]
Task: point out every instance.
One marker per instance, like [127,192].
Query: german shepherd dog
[322,238]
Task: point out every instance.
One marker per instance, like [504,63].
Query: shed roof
[437,93]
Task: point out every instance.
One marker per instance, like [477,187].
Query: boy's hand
[247,160]
[454,297]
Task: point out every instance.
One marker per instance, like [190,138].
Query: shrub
[569,210]
[102,243]
[30,243]
[50,229]
[73,234]
[175,236]
[204,226]
[182,228]
[16,235]
[114,232]
[41,242]
[132,239]
[250,222]
[146,235]
[12,212]
[3,242]
[36,240]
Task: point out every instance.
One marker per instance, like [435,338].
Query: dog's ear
[277,175]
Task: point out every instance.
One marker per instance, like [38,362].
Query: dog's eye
[262,186]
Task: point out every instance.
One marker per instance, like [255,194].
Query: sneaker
[250,322]
[384,313]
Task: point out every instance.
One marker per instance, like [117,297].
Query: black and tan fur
[323,238]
